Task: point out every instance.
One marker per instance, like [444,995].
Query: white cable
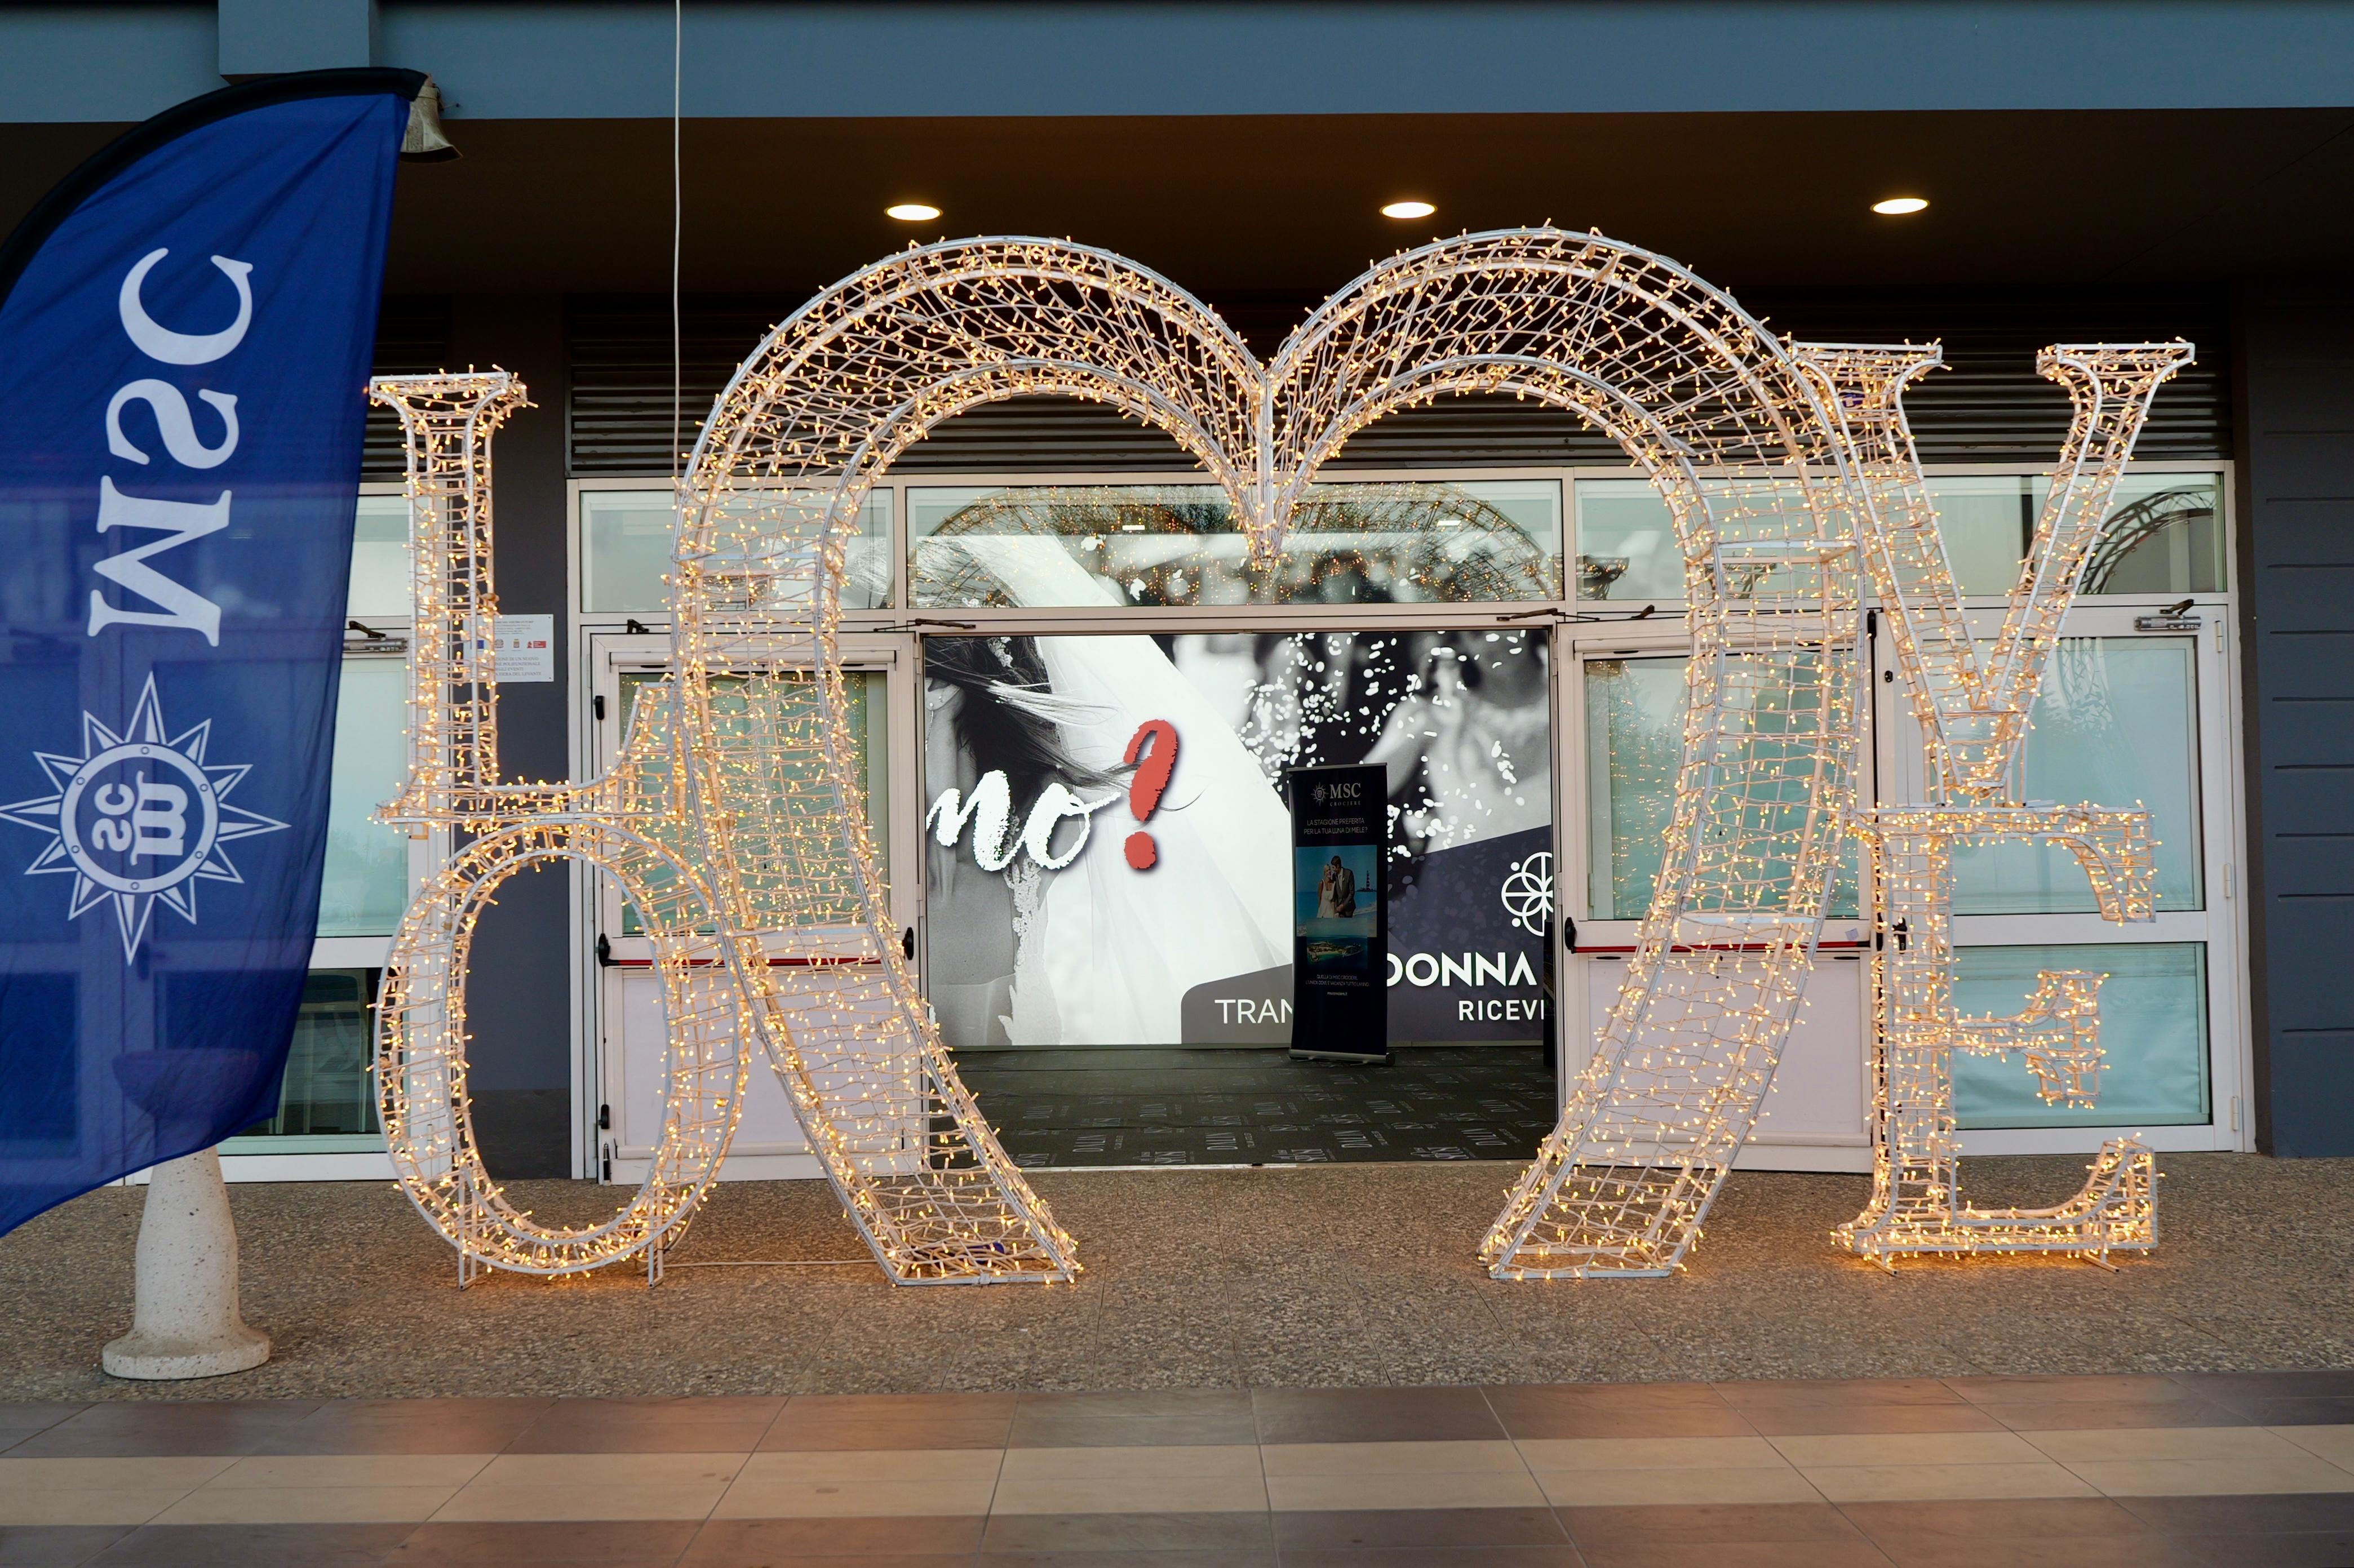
[677,218]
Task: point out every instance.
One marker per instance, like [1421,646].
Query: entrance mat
[1135,1105]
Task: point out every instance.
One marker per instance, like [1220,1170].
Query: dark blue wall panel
[519,994]
[259,37]
[2296,564]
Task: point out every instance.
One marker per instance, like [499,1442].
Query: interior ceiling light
[913,212]
[1897,206]
[1408,209]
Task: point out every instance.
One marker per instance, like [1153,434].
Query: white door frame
[1832,1135]
[607,977]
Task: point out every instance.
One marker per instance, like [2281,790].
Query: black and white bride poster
[1048,759]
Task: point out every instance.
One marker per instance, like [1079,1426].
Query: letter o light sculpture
[735,827]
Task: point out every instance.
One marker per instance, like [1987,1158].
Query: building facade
[1482,599]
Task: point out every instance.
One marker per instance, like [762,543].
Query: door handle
[907,944]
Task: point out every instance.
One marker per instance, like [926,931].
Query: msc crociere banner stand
[185,331]
[1339,952]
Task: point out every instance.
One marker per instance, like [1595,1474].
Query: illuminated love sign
[1793,486]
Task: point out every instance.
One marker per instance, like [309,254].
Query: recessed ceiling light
[1897,206]
[1408,209]
[913,212]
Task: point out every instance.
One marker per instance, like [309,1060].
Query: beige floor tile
[2166,1443]
[1163,1494]
[917,1496]
[1914,1483]
[1627,1488]
[1389,1458]
[861,1466]
[1881,1449]
[69,1505]
[1649,1453]
[371,1471]
[1219,1459]
[307,1504]
[2335,1443]
[185,1474]
[2212,1478]
[611,1471]
[1445,1489]
[481,1503]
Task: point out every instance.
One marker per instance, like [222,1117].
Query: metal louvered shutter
[1987,405]
[619,421]
[412,338]
[619,418]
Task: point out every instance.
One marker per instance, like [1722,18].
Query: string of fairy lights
[735,823]
[1696,392]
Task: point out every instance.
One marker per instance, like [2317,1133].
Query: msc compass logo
[138,818]
[1527,891]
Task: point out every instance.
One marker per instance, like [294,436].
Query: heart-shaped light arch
[1726,422]
[749,820]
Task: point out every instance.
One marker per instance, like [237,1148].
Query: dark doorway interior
[1137,1105]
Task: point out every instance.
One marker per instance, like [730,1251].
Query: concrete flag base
[185,1322]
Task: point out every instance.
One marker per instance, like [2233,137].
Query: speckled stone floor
[1334,1276]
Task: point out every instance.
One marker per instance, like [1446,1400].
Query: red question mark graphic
[1155,741]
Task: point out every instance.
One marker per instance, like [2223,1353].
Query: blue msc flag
[186,330]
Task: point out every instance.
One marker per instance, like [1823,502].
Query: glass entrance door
[1112,1007]
[769,1142]
[1623,742]
[2126,716]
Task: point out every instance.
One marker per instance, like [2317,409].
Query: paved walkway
[2246,1469]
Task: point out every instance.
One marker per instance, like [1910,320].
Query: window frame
[304,1157]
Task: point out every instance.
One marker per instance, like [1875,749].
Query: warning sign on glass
[1340,963]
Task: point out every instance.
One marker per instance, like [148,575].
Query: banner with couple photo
[1044,932]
